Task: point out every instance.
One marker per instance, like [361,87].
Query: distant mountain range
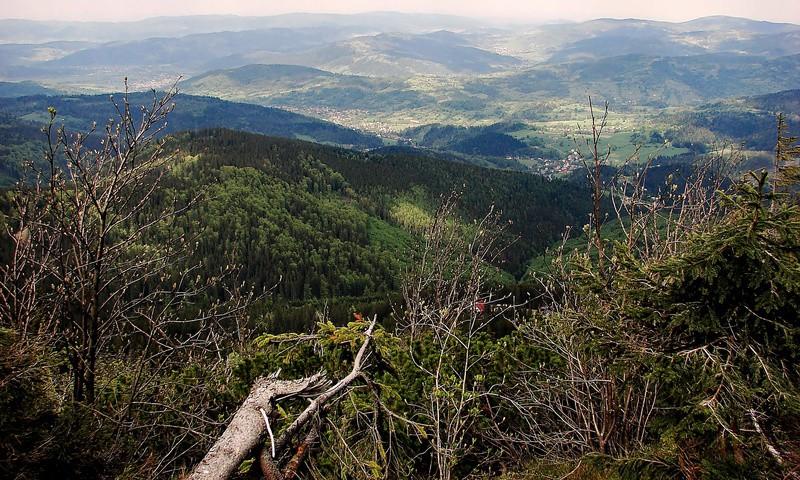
[391,55]
[337,50]
[625,80]
[31,31]
[611,37]
[428,81]
[96,55]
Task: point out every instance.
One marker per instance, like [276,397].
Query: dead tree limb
[247,427]
[290,471]
[776,454]
[270,470]
[315,406]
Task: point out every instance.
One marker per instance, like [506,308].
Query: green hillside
[400,246]
[318,222]
[324,222]
[191,112]
[633,84]
[747,121]
[21,119]
[657,81]
[303,87]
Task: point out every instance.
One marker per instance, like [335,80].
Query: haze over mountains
[91,55]
[392,74]
[633,79]
[32,31]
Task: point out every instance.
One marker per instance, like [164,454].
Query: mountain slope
[21,119]
[31,31]
[654,80]
[603,38]
[628,80]
[320,221]
[328,48]
[304,87]
[749,121]
[24,89]
[787,101]
[394,54]
[191,112]
[382,45]
[200,51]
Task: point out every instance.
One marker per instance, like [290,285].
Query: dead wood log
[248,426]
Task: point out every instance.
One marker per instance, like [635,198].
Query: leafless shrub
[86,276]
[448,307]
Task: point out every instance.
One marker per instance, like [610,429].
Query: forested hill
[22,89]
[321,221]
[749,121]
[191,112]
[21,138]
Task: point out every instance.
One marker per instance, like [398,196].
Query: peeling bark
[302,451]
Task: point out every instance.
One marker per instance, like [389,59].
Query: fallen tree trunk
[248,426]
[251,421]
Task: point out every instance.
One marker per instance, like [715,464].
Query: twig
[269,431]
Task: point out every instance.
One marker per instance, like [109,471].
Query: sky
[515,10]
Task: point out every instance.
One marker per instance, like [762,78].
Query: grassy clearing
[577,241]
[623,147]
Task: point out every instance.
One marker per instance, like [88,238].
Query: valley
[527,84]
[508,97]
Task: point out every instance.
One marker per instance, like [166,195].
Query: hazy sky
[535,10]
